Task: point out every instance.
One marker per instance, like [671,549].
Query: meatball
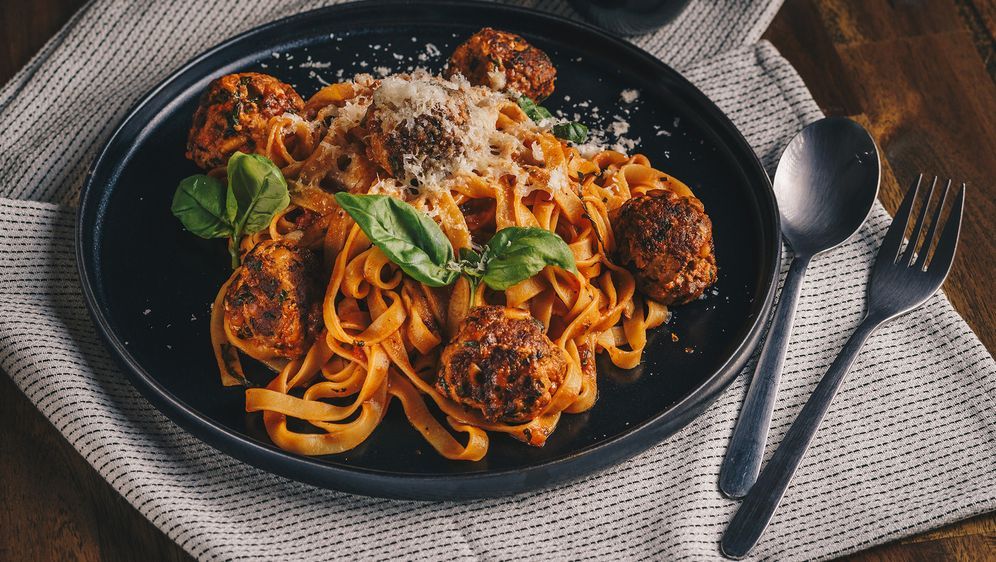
[274,303]
[425,139]
[501,363]
[667,241]
[413,125]
[233,113]
[504,61]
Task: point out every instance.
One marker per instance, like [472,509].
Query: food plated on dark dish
[465,256]
[440,241]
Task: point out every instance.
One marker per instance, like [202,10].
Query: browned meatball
[274,303]
[504,61]
[667,241]
[233,113]
[501,363]
[425,139]
[414,121]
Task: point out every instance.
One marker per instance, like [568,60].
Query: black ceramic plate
[149,284]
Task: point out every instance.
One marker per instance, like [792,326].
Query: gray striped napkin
[909,444]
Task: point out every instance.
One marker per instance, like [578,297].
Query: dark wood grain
[918,74]
[26,26]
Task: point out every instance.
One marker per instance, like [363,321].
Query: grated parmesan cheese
[619,127]
[466,113]
[558,180]
[625,145]
[629,96]
[497,79]
[537,152]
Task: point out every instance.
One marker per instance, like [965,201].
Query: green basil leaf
[573,131]
[470,256]
[472,267]
[200,202]
[516,253]
[408,237]
[257,190]
[535,112]
[470,263]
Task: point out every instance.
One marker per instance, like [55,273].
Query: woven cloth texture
[908,445]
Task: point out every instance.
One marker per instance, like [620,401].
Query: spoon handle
[743,457]
[755,512]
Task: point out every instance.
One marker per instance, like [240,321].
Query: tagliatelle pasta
[382,332]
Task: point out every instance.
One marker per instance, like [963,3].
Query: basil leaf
[472,267]
[573,131]
[200,202]
[470,263]
[516,253]
[257,190]
[408,237]
[535,112]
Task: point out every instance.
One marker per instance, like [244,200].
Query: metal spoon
[826,183]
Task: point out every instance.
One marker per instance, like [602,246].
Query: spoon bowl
[826,184]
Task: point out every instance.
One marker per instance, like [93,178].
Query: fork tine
[893,241]
[944,254]
[921,259]
[914,239]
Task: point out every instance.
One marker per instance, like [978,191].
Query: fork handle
[757,508]
[743,457]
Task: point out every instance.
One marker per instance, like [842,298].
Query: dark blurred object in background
[629,17]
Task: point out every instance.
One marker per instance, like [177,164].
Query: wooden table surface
[920,75]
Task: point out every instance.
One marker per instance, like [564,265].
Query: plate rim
[391,484]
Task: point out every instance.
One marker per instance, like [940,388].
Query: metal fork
[901,280]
